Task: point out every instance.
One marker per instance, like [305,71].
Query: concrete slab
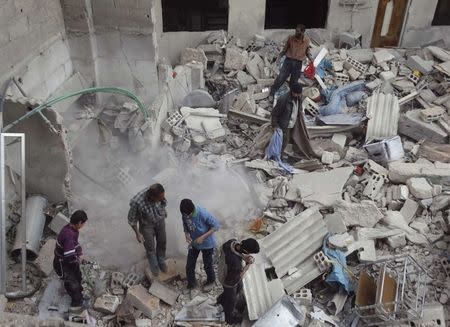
[409,210]
[335,223]
[139,298]
[163,292]
[364,214]
[235,59]
[318,188]
[412,125]
[400,172]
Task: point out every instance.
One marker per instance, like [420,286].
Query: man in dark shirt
[296,50]
[147,218]
[230,274]
[286,111]
[68,256]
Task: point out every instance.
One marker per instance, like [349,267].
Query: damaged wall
[418,29]
[113,43]
[33,47]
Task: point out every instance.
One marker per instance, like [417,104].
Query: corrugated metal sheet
[294,242]
[383,111]
[307,271]
[260,293]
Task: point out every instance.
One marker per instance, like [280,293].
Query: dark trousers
[71,276]
[154,232]
[232,304]
[292,68]
[207,255]
[286,139]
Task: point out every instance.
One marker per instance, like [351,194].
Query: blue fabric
[273,150]
[338,98]
[324,65]
[200,223]
[338,274]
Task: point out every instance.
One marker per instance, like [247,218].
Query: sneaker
[76,309]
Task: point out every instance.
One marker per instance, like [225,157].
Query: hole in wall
[442,13]
[281,14]
[270,273]
[194,15]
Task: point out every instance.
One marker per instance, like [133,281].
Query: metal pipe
[3,218]
[24,207]
[35,219]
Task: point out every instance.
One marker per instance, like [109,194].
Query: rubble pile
[357,236]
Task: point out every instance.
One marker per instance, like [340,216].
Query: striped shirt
[144,211]
[67,246]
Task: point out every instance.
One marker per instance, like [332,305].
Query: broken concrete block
[327,158]
[409,210]
[400,172]
[244,79]
[374,84]
[341,78]
[323,263]
[353,74]
[254,66]
[107,304]
[143,323]
[387,76]
[303,297]
[374,185]
[335,223]
[364,214]
[45,258]
[139,298]
[310,107]
[432,114]
[164,293]
[58,222]
[340,139]
[356,64]
[364,55]
[366,250]
[235,59]
[382,56]
[190,54]
[130,280]
[341,241]
[420,188]
[412,125]
[396,241]
[394,220]
[338,66]
[420,226]
[417,63]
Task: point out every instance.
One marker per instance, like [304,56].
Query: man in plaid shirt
[147,219]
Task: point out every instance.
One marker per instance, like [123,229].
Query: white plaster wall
[246,18]
[33,46]
[171,44]
[418,29]
[340,19]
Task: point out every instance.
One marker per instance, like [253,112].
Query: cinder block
[310,107]
[163,292]
[45,257]
[139,298]
[357,65]
[130,280]
[173,119]
[432,114]
[117,279]
[107,304]
[323,263]
[417,63]
[327,157]
[58,222]
[373,187]
[303,297]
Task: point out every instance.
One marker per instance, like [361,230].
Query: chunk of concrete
[197,75]
[235,59]
[107,304]
[318,188]
[387,76]
[197,55]
[341,241]
[139,298]
[412,125]
[382,56]
[366,250]
[164,293]
[245,79]
[340,139]
[396,241]
[58,222]
[45,258]
[420,188]
[335,223]
[353,74]
[254,66]
[400,172]
[327,158]
[394,219]
[409,210]
[364,214]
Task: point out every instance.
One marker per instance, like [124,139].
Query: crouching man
[68,256]
[231,271]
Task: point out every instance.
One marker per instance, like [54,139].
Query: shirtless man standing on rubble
[296,50]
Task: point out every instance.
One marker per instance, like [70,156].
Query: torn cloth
[300,137]
[339,274]
[273,150]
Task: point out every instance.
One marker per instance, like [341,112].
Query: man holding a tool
[199,228]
